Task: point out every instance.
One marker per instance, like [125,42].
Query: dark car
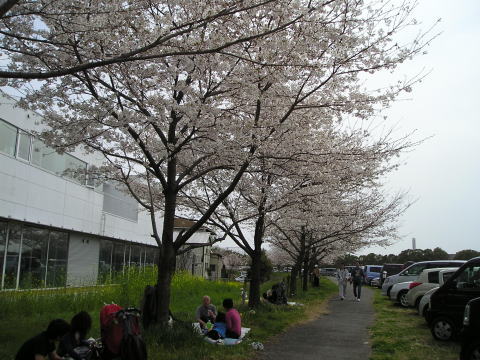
[471,331]
[389,269]
[447,304]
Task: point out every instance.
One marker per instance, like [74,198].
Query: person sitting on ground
[43,345]
[80,324]
[277,295]
[232,320]
[206,312]
[219,328]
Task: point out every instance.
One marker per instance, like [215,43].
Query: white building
[56,228]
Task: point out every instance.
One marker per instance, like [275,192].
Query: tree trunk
[167,258]
[166,271]
[254,296]
[293,279]
[305,274]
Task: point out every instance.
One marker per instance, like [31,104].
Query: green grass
[26,313]
[401,334]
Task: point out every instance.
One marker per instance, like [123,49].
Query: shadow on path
[341,334]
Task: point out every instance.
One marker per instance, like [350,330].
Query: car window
[375,269]
[447,275]
[414,270]
[469,278]
[433,277]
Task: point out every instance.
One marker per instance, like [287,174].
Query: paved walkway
[342,334]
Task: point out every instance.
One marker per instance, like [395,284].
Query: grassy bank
[25,313]
[400,334]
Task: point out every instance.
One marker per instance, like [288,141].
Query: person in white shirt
[343,275]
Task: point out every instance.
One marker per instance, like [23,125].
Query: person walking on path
[342,277]
[357,278]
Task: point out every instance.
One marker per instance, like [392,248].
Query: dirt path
[341,334]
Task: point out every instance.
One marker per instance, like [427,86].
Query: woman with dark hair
[80,326]
[232,319]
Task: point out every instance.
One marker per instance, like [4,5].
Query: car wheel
[442,328]
[402,298]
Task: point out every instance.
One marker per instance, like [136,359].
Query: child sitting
[219,328]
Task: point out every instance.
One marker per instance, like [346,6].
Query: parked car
[398,293]
[471,331]
[371,272]
[375,282]
[425,302]
[428,279]
[447,304]
[388,270]
[411,273]
[240,278]
[328,271]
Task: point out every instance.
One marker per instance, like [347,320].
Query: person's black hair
[220,317]
[228,303]
[81,323]
[57,328]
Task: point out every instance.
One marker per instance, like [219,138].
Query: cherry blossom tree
[206,87]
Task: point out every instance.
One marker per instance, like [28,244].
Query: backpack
[110,328]
[132,346]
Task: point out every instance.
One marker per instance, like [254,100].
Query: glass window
[23,151]
[8,138]
[469,278]
[57,259]
[414,270]
[33,262]
[118,257]
[13,253]
[60,164]
[105,261]
[433,277]
[150,256]
[135,255]
[3,245]
[446,276]
[376,269]
[75,169]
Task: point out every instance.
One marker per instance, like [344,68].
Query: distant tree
[466,254]
[440,254]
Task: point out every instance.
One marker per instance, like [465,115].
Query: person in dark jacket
[42,346]
[357,278]
[80,324]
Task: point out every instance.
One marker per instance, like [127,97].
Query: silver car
[425,301]
[398,292]
[428,279]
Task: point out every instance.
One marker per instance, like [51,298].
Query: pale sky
[443,173]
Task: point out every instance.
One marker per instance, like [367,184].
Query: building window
[116,201]
[105,261]
[24,140]
[33,261]
[8,138]
[57,259]
[118,257]
[13,256]
[135,255]
[3,246]
[35,257]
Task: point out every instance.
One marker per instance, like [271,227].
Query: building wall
[83,257]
